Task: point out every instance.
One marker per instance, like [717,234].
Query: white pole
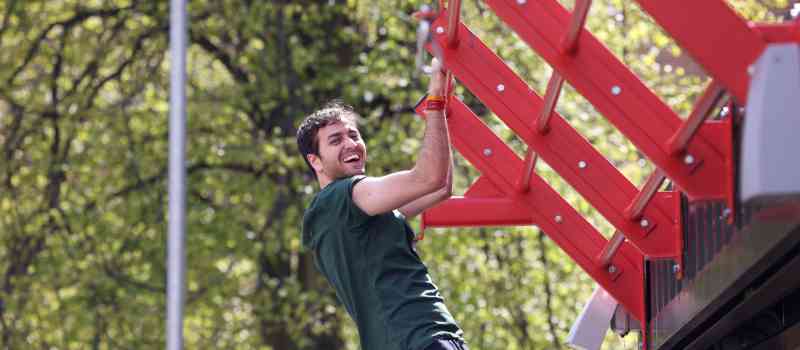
[176,256]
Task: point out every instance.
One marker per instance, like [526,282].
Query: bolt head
[612,269]
[644,223]
[689,159]
[487,152]
[501,87]
[725,110]
[726,213]
[582,164]
[558,219]
[440,30]
[521,2]
[616,90]
[676,268]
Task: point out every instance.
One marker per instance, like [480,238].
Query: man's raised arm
[378,195]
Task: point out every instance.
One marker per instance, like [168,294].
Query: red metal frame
[563,148]
[714,35]
[696,154]
[492,200]
[618,94]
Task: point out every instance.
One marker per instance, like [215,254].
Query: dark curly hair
[332,112]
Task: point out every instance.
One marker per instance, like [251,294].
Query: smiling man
[356,227]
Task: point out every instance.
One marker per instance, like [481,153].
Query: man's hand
[438,77]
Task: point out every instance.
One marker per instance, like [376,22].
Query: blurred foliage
[83,129]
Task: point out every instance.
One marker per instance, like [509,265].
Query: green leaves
[83,129]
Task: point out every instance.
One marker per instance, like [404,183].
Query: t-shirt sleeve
[355,216]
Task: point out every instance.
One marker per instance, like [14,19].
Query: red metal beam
[480,212]
[617,93]
[623,278]
[563,148]
[714,35]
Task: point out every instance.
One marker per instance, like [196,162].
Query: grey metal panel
[769,168]
[721,260]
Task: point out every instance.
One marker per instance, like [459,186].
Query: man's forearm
[434,156]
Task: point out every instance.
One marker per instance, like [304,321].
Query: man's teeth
[351,158]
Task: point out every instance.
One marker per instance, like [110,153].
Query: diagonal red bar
[714,35]
[615,91]
[565,226]
[563,148]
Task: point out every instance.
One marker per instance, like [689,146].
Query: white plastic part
[769,165]
[589,330]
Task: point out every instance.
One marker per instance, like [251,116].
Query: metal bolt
[724,111]
[644,223]
[439,30]
[521,2]
[500,87]
[612,269]
[487,152]
[726,213]
[581,164]
[751,69]
[558,219]
[676,268]
[689,159]
[616,90]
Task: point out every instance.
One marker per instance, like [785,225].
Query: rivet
[487,152]
[439,30]
[644,223]
[581,164]
[521,2]
[676,268]
[558,219]
[724,111]
[751,69]
[501,87]
[726,213]
[612,269]
[689,159]
[616,90]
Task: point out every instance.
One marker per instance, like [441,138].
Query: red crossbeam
[618,94]
[563,148]
[714,35]
[623,278]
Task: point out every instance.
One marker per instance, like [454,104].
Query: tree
[83,130]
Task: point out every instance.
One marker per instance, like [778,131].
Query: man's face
[342,152]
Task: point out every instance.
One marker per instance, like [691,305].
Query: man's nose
[350,143]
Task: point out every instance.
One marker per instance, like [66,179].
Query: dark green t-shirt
[377,274]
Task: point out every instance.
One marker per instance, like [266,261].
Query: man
[357,230]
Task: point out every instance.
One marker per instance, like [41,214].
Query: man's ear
[315,161]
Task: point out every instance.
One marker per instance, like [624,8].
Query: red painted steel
[570,41]
[779,32]
[454,8]
[467,211]
[714,35]
[617,93]
[677,143]
[610,249]
[635,210]
[563,148]
[550,99]
[545,208]
[524,182]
